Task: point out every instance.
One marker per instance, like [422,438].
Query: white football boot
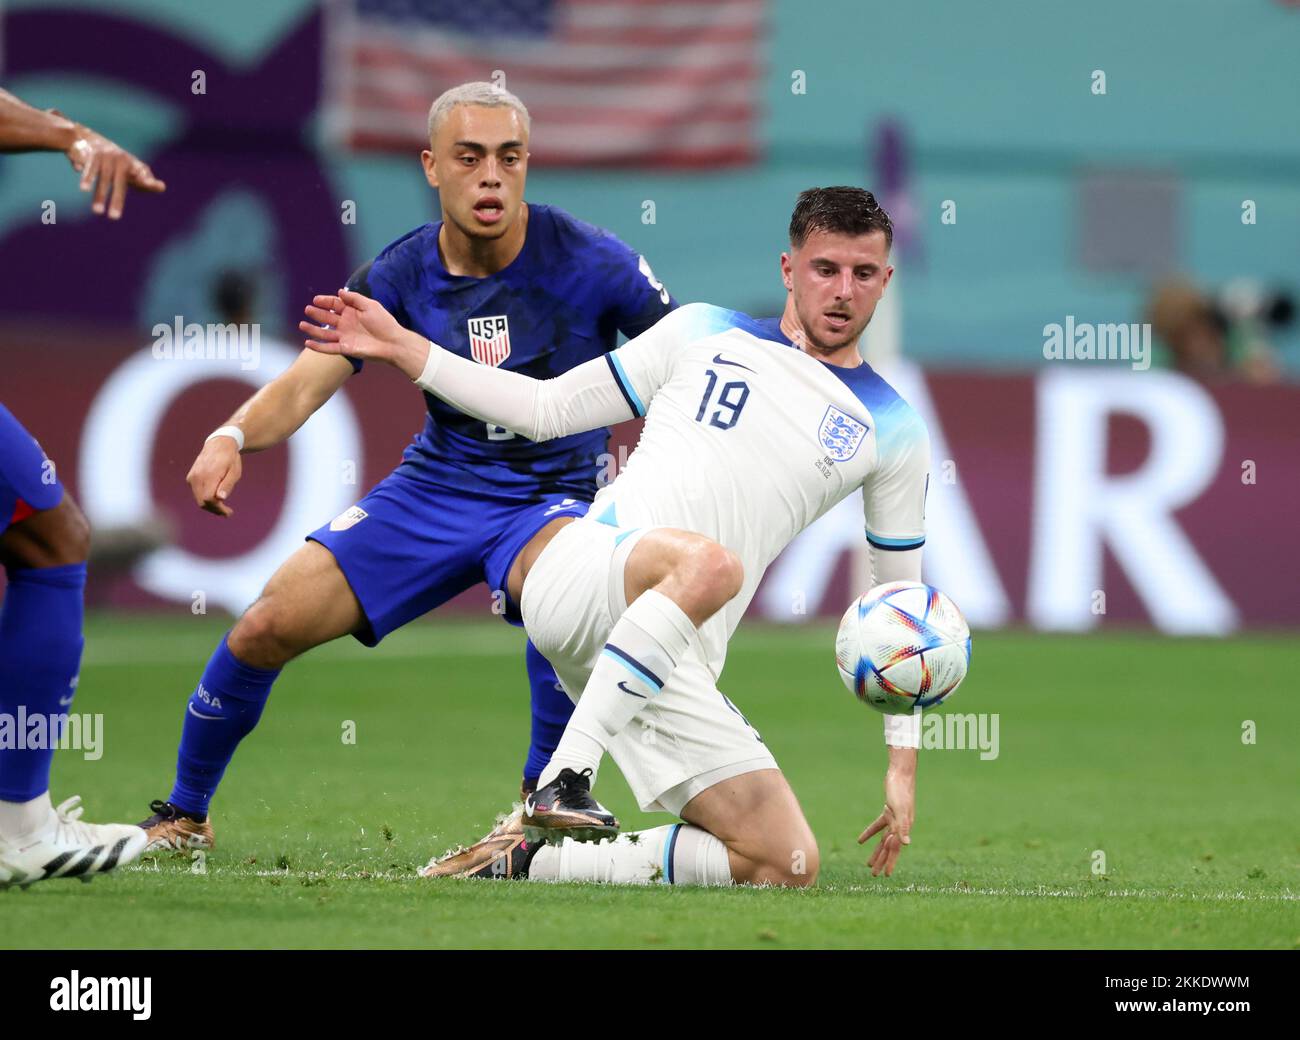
[64,847]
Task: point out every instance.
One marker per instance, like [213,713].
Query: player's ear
[430,164]
[787,272]
[889,273]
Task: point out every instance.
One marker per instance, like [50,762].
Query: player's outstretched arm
[894,824]
[894,497]
[902,735]
[268,417]
[584,398]
[105,167]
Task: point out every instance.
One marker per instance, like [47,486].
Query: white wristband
[233,432]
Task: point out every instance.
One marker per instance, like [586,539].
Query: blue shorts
[29,482]
[409,546]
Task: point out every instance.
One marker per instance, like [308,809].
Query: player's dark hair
[840,210]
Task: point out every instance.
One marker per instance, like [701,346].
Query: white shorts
[689,736]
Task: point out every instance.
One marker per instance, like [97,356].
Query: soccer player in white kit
[753,430]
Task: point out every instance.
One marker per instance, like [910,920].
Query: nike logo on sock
[200,715]
[623,686]
[718,359]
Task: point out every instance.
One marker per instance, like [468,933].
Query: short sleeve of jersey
[637,299]
[642,365]
[894,493]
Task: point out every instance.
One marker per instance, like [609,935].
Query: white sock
[644,647]
[18,819]
[678,854]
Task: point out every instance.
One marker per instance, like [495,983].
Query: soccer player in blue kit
[524,287]
[44,542]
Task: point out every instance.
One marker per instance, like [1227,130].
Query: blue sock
[220,713]
[40,653]
[551,711]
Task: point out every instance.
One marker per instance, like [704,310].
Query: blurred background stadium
[1107,163]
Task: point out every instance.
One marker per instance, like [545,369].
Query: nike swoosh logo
[718,359]
[622,687]
[65,701]
[200,715]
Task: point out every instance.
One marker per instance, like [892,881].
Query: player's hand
[108,170]
[356,326]
[894,824]
[214,475]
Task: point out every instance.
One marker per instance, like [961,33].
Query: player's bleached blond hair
[480,92]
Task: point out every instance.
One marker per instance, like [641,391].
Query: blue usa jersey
[562,301]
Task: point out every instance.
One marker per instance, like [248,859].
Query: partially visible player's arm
[894,496]
[103,165]
[894,824]
[268,417]
[602,391]
[636,299]
[584,398]
[278,409]
[901,731]
[27,129]
[894,499]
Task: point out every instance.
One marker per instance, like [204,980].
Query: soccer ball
[901,646]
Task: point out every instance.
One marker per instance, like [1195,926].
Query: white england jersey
[747,439]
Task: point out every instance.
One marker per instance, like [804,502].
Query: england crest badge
[489,340]
[840,434]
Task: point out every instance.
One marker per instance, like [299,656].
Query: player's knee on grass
[49,538]
[791,862]
[758,818]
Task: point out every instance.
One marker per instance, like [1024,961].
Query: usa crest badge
[350,517]
[841,434]
[489,340]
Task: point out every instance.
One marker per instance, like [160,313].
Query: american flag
[607,82]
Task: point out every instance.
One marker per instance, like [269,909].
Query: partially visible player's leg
[306,603]
[382,563]
[551,710]
[44,557]
[757,818]
[44,542]
[673,581]
[53,537]
[693,754]
[507,559]
[747,829]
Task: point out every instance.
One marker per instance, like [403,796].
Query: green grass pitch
[1126,745]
